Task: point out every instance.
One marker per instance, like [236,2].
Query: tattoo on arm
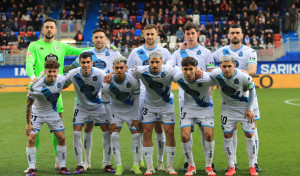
[28,110]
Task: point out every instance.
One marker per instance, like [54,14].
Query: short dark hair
[85,55]
[150,26]
[99,30]
[189,26]
[52,64]
[189,61]
[49,19]
[235,25]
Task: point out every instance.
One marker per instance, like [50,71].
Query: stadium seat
[139,19]
[121,5]
[76,27]
[42,20]
[277,44]
[210,17]
[140,12]
[172,46]
[137,32]
[115,32]
[138,26]
[68,12]
[37,33]
[8,14]
[277,37]
[202,18]
[29,33]
[189,11]
[16,34]
[203,22]
[196,18]
[173,38]
[64,27]
[133,18]
[260,8]
[1,34]
[141,5]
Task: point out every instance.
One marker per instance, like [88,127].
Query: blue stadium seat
[210,17]
[260,8]
[137,32]
[1,13]
[140,12]
[68,12]
[8,14]
[141,5]
[202,17]
[189,11]
[106,18]
[16,34]
[42,20]
[29,13]
[37,33]
[203,22]
[139,19]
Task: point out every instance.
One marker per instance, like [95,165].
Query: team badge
[128,85]
[56,47]
[146,62]
[236,81]
[241,54]
[200,84]
[163,74]
[107,53]
[198,52]
[95,78]
[225,52]
[58,85]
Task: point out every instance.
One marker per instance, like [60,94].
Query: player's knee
[169,133]
[185,138]
[158,128]
[31,140]
[209,137]
[60,139]
[249,135]
[228,135]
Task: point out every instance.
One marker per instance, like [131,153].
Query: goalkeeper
[42,50]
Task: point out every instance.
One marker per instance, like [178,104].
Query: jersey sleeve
[252,57]
[208,79]
[131,62]
[30,59]
[216,55]
[172,60]
[136,87]
[166,55]
[177,76]
[210,62]
[105,97]
[70,50]
[248,82]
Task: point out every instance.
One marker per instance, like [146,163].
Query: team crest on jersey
[128,85]
[146,62]
[241,54]
[95,78]
[225,52]
[51,56]
[236,81]
[200,84]
[198,52]
[58,85]
[236,63]
[100,64]
[107,53]
[163,74]
[56,47]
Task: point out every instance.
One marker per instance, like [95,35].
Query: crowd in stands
[74,10]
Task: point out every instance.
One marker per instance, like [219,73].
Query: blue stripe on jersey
[229,91]
[183,54]
[194,94]
[124,97]
[87,90]
[157,87]
[143,56]
[52,98]
[225,52]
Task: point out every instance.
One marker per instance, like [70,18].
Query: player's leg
[61,151]
[116,149]
[135,150]
[209,148]
[187,147]
[31,153]
[148,146]
[77,145]
[141,107]
[160,144]
[37,144]
[106,142]
[234,140]
[87,143]
[257,117]
[54,140]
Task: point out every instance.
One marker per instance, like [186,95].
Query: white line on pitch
[289,102]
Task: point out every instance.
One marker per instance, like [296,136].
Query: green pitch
[278,129]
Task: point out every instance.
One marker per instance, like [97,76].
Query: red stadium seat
[133,18]
[22,33]
[64,27]
[138,26]
[1,34]
[115,32]
[29,33]
[277,37]
[76,27]
[121,5]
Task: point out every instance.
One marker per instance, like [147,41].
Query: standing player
[87,81]
[40,51]
[121,98]
[198,108]
[204,60]
[102,58]
[138,57]
[157,79]
[237,106]
[43,96]
[246,60]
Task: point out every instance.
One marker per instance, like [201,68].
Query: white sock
[188,153]
[141,148]
[116,150]
[106,141]
[170,155]
[87,142]
[62,155]
[228,149]
[202,138]
[191,143]
[31,157]
[209,152]
[234,140]
[148,152]
[160,144]
[256,144]
[77,145]
[136,147]
[250,144]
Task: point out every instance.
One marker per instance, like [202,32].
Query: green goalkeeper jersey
[38,52]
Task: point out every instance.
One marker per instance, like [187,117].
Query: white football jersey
[46,96]
[196,94]
[87,89]
[242,56]
[158,86]
[102,60]
[139,56]
[232,88]
[200,53]
[121,95]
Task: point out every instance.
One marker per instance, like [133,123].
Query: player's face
[155,65]
[189,73]
[150,36]
[120,69]
[49,30]
[228,68]
[235,35]
[51,75]
[86,66]
[191,35]
[99,40]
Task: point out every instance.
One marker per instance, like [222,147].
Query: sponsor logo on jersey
[100,64]
[51,56]
[41,48]
[146,62]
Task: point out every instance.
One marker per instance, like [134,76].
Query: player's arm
[30,60]
[131,62]
[135,119]
[252,64]
[172,60]
[29,127]
[68,82]
[252,69]
[249,112]
[67,68]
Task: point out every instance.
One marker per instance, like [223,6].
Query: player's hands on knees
[107,78]
[112,127]
[250,116]
[198,73]
[137,125]
[28,128]
[183,46]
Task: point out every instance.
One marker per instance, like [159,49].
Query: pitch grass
[278,131]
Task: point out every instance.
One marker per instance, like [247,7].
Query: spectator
[105,9]
[23,24]
[108,34]
[79,38]
[118,14]
[128,33]
[124,23]
[26,16]
[63,15]
[127,44]
[167,19]
[256,45]
[160,18]
[111,12]
[269,39]
[166,28]
[208,25]
[145,20]
[6,30]
[247,40]
[30,25]
[253,8]
[131,24]
[254,38]
[293,14]
[133,9]
[102,23]
[135,42]
[125,13]
[22,44]
[37,24]
[152,20]
[287,22]
[16,25]
[110,22]
[179,34]
[276,22]
[182,12]
[173,28]
[12,39]
[152,13]
[181,21]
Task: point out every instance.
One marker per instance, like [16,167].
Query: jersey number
[33,117]
[75,112]
[223,119]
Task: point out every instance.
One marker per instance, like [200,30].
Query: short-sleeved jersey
[200,53]
[158,86]
[87,89]
[139,56]
[103,59]
[45,96]
[39,51]
[196,94]
[242,56]
[232,88]
[120,95]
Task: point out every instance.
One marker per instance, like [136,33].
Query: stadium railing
[68,28]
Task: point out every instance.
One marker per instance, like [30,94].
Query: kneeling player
[43,96]
[198,108]
[121,98]
[237,106]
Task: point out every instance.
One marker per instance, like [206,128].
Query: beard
[49,37]
[235,42]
